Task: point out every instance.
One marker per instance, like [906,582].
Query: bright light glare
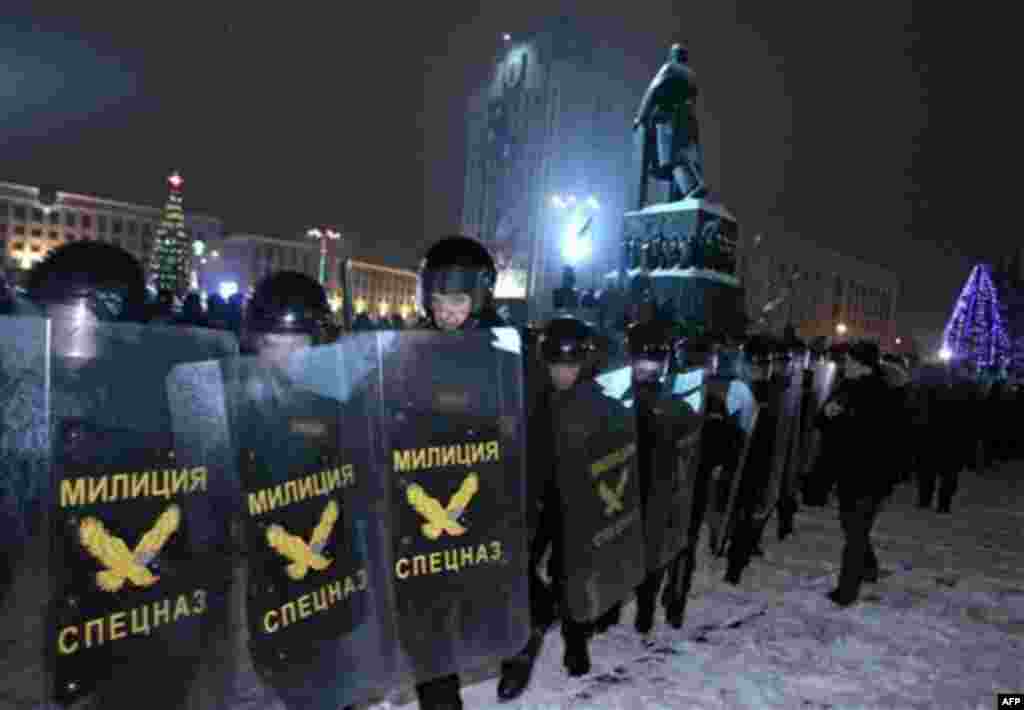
[507,37]
[575,248]
[841,329]
[227,289]
[945,354]
[289,317]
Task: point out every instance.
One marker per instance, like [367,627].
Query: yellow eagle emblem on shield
[442,519]
[612,497]
[304,556]
[122,564]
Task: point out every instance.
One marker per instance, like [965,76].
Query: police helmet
[458,264]
[760,350]
[288,303]
[652,340]
[104,279]
[568,340]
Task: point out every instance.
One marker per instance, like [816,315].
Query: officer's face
[647,371]
[451,309]
[274,348]
[564,375]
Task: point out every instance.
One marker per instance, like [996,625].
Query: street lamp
[841,329]
[899,341]
[945,354]
[574,247]
[323,235]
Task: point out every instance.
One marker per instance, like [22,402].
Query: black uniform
[564,340]
[858,420]
[112,424]
[452,265]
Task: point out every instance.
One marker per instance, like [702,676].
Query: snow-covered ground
[944,630]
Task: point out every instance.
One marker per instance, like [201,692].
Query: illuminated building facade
[817,290]
[35,220]
[552,120]
[237,262]
[382,291]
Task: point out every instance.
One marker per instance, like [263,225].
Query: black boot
[644,616]
[609,619]
[440,694]
[577,655]
[840,600]
[674,613]
[515,671]
[577,658]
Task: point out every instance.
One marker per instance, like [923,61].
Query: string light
[976,331]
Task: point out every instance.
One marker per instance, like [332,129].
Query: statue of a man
[668,118]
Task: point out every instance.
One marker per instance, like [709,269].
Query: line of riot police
[386,507]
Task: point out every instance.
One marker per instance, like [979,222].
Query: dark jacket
[860,438]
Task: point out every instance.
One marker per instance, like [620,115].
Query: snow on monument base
[687,250]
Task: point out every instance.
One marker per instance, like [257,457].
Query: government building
[34,220]
[820,292]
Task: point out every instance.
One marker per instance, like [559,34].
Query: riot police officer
[80,286]
[313,666]
[650,351]
[746,538]
[570,351]
[288,310]
[456,290]
[457,281]
[566,353]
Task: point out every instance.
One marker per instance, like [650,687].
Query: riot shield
[603,546]
[24,502]
[671,429]
[314,578]
[452,449]
[726,452]
[785,410]
[139,576]
[823,381]
[790,478]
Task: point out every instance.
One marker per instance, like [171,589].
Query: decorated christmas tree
[170,260]
[977,332]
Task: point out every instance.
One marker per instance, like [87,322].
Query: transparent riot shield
[785,410]
[790,478]
[728,453]
[24,503]
[313,566]
[824,381]
[139,576]
[452,450]
[676,422]
[603,540]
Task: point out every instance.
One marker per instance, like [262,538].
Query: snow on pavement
[945,629]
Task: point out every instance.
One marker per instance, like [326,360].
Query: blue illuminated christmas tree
[976,332]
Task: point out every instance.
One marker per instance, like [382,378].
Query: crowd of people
[935,420]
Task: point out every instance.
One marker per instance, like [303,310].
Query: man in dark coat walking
[856,419]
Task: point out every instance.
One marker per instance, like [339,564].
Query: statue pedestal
[706,231]
[687,250]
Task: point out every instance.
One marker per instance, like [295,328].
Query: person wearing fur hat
[856,419]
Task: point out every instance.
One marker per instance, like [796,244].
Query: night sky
[845,123]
